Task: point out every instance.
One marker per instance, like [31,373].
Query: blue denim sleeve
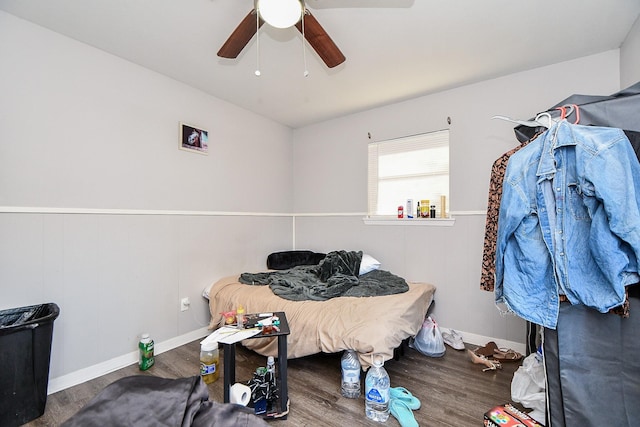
[613,177]
[513,209]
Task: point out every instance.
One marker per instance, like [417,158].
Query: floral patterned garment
[487,277]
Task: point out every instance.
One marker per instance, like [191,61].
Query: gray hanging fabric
[620,110]
[592,367]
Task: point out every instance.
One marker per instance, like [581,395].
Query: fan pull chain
[304,50]
[257,72]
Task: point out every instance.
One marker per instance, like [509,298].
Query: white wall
[330,170]
[101,212]
[100,132]
[630,57]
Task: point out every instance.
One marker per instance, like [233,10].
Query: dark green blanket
[336,276]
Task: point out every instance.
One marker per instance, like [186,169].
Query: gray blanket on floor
[146,401]
[336,276]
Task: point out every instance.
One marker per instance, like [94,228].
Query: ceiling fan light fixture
[280,13]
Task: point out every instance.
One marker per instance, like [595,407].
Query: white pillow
[207,290]
[368,264]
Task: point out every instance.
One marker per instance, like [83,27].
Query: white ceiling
[395,49]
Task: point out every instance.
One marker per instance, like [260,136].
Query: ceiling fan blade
[320,41]
[240,37]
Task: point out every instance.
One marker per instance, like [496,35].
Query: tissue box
[508,416]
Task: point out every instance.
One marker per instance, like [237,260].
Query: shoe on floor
[506,355]
[487,350]
[404,395]
[491,365]
[453,340]
[403,413]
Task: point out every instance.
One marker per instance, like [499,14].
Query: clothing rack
[591,358]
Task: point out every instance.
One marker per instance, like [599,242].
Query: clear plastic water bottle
[240,317]
[271,368]
[350,374]
[376,389]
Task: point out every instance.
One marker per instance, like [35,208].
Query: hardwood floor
[453,390]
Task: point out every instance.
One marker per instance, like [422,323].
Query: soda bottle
[146,352]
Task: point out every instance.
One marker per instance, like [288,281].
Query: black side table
[229,370]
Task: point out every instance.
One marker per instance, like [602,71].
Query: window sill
[389,220]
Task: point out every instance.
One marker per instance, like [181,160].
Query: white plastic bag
[429,340]
[528,385]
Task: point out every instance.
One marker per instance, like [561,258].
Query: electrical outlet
[184,304]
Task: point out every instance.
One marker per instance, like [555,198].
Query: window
[414,167]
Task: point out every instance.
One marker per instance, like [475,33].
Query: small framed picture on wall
[194,139]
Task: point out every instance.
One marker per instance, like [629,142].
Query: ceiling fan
[313,32]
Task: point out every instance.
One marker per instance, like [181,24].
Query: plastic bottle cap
[377,360]
[209,346]
[270,360]
[144,336]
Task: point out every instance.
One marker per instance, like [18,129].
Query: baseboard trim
[481,340]
[85,374]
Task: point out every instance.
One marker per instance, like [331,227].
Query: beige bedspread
[368,324]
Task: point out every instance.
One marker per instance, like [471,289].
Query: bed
[374,324]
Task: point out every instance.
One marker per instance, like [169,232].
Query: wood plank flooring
[453,391]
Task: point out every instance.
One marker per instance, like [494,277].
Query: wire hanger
[530,123]
[544,119]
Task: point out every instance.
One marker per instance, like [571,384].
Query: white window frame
[437,166]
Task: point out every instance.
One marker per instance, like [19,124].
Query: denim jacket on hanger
[569,222]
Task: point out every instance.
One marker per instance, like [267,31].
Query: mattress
[367,325]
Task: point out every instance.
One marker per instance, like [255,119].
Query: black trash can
[25,351]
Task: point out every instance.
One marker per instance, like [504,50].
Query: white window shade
[414,167]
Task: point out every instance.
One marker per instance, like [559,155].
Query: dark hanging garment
[620,110]
[592,367]
[634,139]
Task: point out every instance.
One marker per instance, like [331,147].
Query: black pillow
[289,259]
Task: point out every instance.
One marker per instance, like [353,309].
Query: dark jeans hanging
[592,361]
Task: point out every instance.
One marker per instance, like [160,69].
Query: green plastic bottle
[146,352]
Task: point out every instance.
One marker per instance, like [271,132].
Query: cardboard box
[508,416]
